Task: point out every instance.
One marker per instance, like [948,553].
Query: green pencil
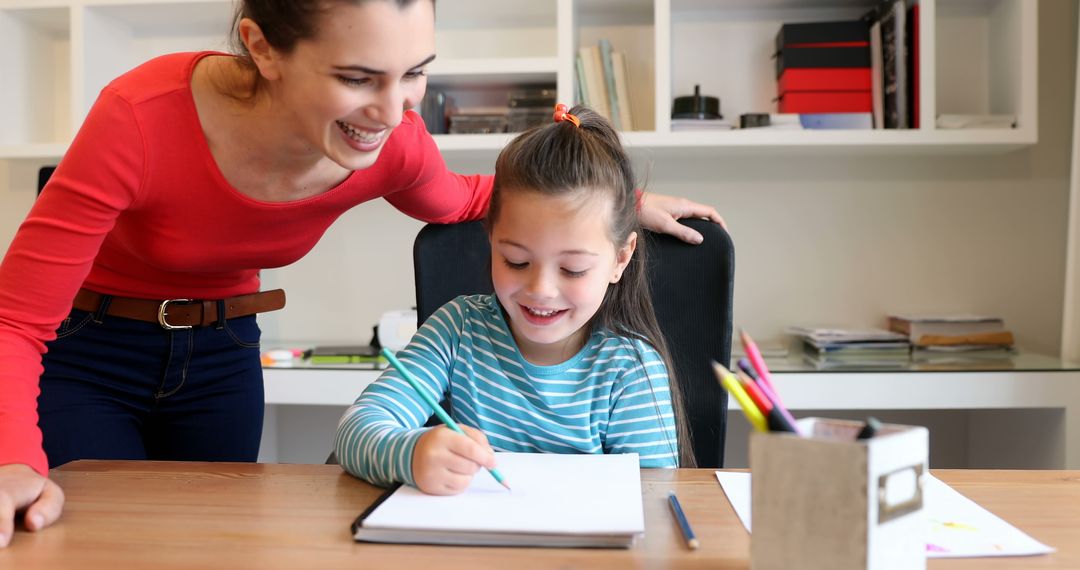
[443,416]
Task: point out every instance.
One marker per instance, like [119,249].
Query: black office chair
[43,177]
[692,288]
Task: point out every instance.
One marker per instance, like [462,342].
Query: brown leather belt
[181,313]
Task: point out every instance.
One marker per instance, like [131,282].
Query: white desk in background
[1022,413]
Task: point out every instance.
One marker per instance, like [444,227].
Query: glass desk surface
[795,362]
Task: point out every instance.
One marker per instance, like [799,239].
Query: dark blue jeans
[116,388]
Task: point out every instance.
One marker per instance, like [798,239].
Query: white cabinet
[975,57]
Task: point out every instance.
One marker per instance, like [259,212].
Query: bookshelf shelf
[488,71]
[976,57]
[33,151]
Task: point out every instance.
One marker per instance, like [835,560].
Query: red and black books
[823,67]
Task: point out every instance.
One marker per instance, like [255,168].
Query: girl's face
[551,263]
[348,87]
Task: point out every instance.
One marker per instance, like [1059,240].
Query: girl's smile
[552,262]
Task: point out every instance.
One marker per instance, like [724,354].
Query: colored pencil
[443,416]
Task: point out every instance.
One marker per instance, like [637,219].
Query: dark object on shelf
[43,177]
[696,106]
[819,57]
[477,124]
[433,111]
[529,107]
[519,120]
[751,120]
[801,34]
[532,98]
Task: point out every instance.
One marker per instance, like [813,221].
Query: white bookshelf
[976,56]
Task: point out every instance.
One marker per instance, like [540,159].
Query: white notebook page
[551,493]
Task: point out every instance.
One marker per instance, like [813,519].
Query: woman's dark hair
[561,159]
[284,23]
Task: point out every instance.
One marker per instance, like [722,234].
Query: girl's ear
[264,55]
[622,257]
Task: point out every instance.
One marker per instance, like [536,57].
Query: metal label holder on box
[831,501]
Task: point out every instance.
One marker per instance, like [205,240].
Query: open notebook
[556,500]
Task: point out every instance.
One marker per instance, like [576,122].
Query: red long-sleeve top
[138,208]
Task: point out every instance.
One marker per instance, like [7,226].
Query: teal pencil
[443,416]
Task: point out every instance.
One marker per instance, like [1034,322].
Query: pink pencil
[764,381]
[758,363]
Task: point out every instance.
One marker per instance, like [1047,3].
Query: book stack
[861,349]
[603,83]
[954,337]
[823,68]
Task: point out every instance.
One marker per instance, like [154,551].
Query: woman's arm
[46,263]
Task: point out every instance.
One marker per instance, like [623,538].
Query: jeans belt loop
[163,312]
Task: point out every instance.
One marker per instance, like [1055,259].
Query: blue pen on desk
[688,533]
[443,416]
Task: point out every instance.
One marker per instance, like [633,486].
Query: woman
[190,174]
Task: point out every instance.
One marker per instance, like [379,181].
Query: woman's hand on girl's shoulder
[23,489]
[444,461]
[660,213]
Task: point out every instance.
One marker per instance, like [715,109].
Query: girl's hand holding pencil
[444,462]
[446,458]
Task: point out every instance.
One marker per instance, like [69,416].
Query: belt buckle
[162,312]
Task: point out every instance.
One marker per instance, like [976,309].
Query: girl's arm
[642,420]
[377,435]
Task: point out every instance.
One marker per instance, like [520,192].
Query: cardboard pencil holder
[830,501]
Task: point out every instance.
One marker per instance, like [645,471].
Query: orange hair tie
[563,114]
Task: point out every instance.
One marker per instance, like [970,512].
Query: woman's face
[348,86]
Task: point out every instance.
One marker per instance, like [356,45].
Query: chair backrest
[44,173]
[692,288]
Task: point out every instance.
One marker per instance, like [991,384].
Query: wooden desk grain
[220,515]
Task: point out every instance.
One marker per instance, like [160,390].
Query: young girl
[565,357]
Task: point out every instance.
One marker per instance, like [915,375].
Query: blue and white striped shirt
[611,397]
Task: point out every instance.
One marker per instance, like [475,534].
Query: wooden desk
[192,515]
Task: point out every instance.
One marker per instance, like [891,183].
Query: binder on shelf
[825,79]
[893,17]
[595,84]
[825,102]
[829,500]
[913,63]
[622,90]
[609,83]
[876,76]
[582,82]
[847,32]
[802,57]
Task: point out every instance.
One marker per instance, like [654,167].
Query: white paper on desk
[959,528]
[551,493]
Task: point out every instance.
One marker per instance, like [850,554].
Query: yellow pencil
[731,384]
